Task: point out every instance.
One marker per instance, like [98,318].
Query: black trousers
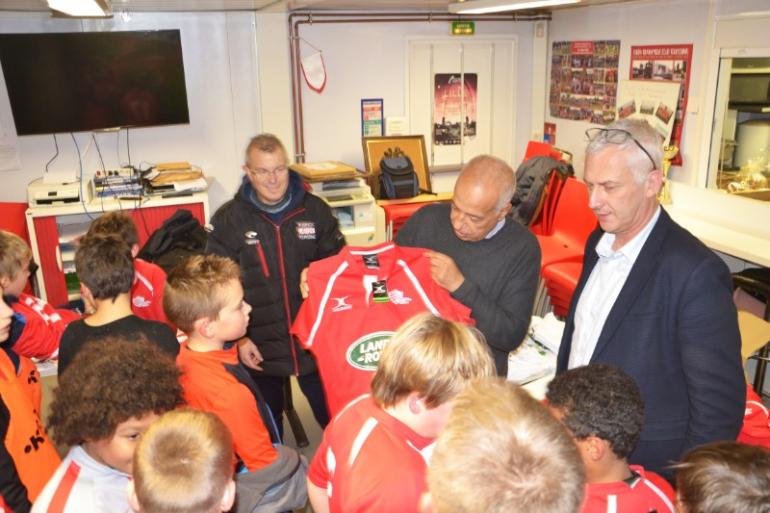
[311,386]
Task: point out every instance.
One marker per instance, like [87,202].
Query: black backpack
[531,179]
[181,236]
[397,177]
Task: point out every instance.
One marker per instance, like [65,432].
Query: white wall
[370,60]
[220,62]
[645,22]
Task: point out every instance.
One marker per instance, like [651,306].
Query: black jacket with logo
[272,254]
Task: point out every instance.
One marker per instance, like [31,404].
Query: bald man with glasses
[654,301]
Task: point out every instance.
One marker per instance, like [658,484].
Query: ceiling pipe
[298,18]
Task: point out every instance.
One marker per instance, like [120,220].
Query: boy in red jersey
[204,297]
[149,279]
[373,456]
[39,326]
[602,406]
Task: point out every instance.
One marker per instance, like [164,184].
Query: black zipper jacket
[272,251]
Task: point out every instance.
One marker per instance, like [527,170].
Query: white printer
[41,194]
[351,201]
[354,207]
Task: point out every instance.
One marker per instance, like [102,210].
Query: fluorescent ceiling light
[489,6]
[82,8]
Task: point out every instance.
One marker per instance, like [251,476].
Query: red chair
[573,222]
[13,219]
[396,215]
[541,223]
[561,279]
[541,149]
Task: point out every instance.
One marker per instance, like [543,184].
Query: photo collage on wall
[454,107]
[584,80]
[666,63]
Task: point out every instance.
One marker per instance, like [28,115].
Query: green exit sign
[463,28]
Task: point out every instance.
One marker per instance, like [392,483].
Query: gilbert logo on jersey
[364,353]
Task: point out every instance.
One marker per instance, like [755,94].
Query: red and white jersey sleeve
[43,327]
[756,421]
[357,300]
[370,462]
[147,292]
[647,492]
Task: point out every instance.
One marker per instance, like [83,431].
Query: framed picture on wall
[413,146]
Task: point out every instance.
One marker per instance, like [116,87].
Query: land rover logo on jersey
[364,353]
[305,230]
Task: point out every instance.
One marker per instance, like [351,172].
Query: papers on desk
[176,180]
[199,184]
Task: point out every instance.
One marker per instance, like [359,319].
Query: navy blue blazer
[674,329]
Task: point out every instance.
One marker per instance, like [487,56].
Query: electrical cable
[104,170]
[117,148]
[55,156]
[128,147]
[80,163]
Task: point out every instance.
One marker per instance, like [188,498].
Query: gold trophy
[664,196]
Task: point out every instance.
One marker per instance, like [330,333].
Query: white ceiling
[235,5]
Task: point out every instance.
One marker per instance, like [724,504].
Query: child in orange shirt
[204,298]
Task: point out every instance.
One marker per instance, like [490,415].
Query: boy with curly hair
[106,271]
[373,456]
[603,408]
[39,326]
[183,449]
[149,278]
[101,409]
[724,477]
[204,297]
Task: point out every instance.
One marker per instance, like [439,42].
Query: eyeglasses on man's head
[616,136]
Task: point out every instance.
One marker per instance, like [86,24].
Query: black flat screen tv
[87,81]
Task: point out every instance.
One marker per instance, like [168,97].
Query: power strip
[124,172]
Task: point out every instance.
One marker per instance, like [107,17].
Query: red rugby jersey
[369,461]
[647,493]
[358,299]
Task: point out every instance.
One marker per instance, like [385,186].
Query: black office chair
[757,283]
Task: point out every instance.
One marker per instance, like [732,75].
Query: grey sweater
[501,275]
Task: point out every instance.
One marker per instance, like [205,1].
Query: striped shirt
[83,485]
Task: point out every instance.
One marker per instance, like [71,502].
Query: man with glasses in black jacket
[273,228]
[654,301]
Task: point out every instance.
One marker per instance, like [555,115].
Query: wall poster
[372,120]
[584,80]
[454,107]
[666,63]
[654,102]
